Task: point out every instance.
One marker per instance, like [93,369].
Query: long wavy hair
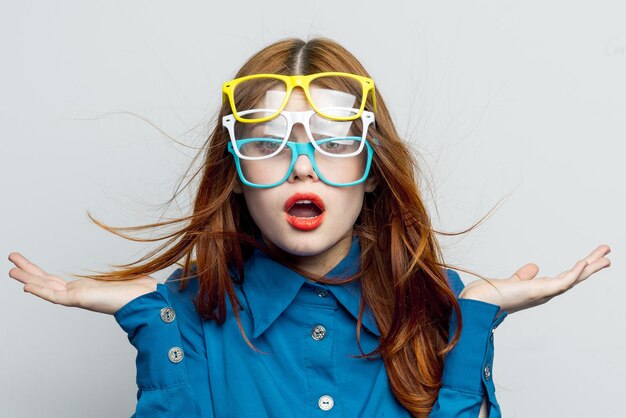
[402,273]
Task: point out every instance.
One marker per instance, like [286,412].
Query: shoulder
[455,282]
[172,287]
[176,277]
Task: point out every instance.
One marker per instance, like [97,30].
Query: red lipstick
[311,203]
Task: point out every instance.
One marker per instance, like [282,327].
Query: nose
[303,167]
[298,133]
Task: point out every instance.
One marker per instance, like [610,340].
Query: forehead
[322,98]
[297,101]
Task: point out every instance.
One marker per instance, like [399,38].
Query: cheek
[348,206]
[266,171]
[260,206]
[341,170]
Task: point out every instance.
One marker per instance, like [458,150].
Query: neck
[322,263]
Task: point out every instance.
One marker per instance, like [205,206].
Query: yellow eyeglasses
[325,92]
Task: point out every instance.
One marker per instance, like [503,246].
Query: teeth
[303,202]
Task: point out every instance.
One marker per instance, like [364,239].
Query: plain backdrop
[516,104]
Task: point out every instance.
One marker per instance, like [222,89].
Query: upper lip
[315,199]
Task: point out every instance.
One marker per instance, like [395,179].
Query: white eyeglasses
[333,138]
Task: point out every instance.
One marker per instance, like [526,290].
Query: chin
[303,246]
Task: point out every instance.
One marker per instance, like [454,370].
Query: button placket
[488,357]
[175,354]
[487,373]
[319,306]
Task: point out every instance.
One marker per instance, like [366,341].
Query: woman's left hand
[523,290]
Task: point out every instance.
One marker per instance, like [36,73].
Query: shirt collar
[270,287]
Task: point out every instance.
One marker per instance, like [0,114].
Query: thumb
[526,272]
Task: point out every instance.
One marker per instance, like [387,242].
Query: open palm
[523,290]
[95,295]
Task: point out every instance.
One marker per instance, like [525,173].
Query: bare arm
[94,295]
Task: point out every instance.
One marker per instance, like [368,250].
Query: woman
[297,260]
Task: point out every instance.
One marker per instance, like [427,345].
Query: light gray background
[500,97]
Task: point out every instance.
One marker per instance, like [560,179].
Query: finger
[23,263]
[600,251]
[29,278]
[596,261]
[598,254]
[594,267]
[526,272]
[568,279]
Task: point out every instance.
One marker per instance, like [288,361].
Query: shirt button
[318,332]
[175,354]
[321,292]
[325,402]
[487,372]
[168,314]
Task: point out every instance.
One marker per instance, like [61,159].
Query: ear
[370,184]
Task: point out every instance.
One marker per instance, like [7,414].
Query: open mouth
[304,211]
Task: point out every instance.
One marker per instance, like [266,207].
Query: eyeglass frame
[299,148]
[303,81]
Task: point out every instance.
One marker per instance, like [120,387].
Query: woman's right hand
[94,295]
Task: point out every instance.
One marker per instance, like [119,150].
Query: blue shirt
[187,367]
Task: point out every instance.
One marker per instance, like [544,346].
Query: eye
[339,146]
[269,145]
[334,147]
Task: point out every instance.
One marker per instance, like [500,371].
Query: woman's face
[317,243]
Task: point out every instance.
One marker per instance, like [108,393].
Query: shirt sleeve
[468,369]
[152,328]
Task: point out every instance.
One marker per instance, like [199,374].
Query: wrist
[478,297]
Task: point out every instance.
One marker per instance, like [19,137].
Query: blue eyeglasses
[265,158]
